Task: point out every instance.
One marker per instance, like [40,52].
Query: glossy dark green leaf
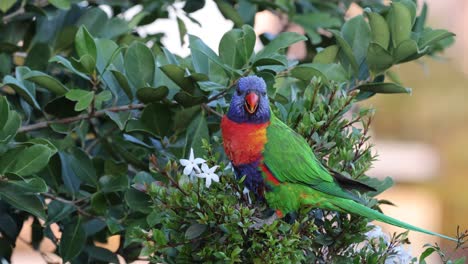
[327,55]
[101,254]
[347,51]
[29,203]
[188,100]
[10,121]
[123,82]
[38,56]
[72,241]
[182,30]
[400,23]
[195,230]
[193,5]
[383,88]
[378,59]
[196,131]
[357,33]
[57,211]
[237,46]
[203,52]
[114,182]
[85,64]
[229,12]
[21,90]
[178,75]
[138,201]
[405,50]
[27,186]
[68,65]
[149,95]
[139,65]
[46,81]
[33,159]
[379,29]
[155,119]
[312,22]
[282,41]
[99,203]
[430,37]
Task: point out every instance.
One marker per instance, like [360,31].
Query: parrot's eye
[238,91]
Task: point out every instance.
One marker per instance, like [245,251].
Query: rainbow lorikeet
[280,166]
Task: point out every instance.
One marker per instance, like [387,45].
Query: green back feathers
[290,159]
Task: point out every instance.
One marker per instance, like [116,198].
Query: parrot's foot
[259,223]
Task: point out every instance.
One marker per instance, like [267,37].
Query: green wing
[290,159]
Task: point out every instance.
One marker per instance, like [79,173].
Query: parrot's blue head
[249,103]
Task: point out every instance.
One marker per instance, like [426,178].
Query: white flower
[247,192]
[402,256]
[191,163]
[376,233]
[208,174]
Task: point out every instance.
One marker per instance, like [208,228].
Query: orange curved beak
[251,102]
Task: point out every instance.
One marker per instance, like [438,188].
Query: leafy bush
[94,119]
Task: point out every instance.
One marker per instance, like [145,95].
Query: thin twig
[67,120]
[211,110]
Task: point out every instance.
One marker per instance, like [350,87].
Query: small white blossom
[247,192]
[402,256]
[208,174]
[191,164]
[377,233]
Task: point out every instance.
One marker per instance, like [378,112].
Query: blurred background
[421,139]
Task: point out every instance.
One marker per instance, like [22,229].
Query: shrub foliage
[94,119]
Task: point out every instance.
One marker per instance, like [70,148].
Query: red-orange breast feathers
[243,143]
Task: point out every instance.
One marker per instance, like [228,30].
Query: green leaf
[380,33]
[357,33]
[386,88]
[327,55]
[411,6]
[47,82]
[85,64]
[200,51]
[196,131]
[82,97]
[119,118]
[61,107]
[123,82]
[405,50]
[101,254]
[159,237]
[5,5]
[10,121]
[400,23]
[67,64]
[29,203]
[426,254]
[182,30]
[32,159]
[21,90]
[430,37]
[32,185]
[139,65]
[69,178]
[156,119]
[326,72]
[114,182]
[61,4]
[282,41]
[188,100]
[378,59]
[150,95]
[57,211]
[229,12]
[313,21]
[102,97]
[82,166]
[99,203]
[138,201]
[178,76]
[237,46]
[84,43]
[347,51]
[195,230]
[73,240]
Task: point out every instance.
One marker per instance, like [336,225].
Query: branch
[72,119]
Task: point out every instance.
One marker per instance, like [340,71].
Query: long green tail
[359,209]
